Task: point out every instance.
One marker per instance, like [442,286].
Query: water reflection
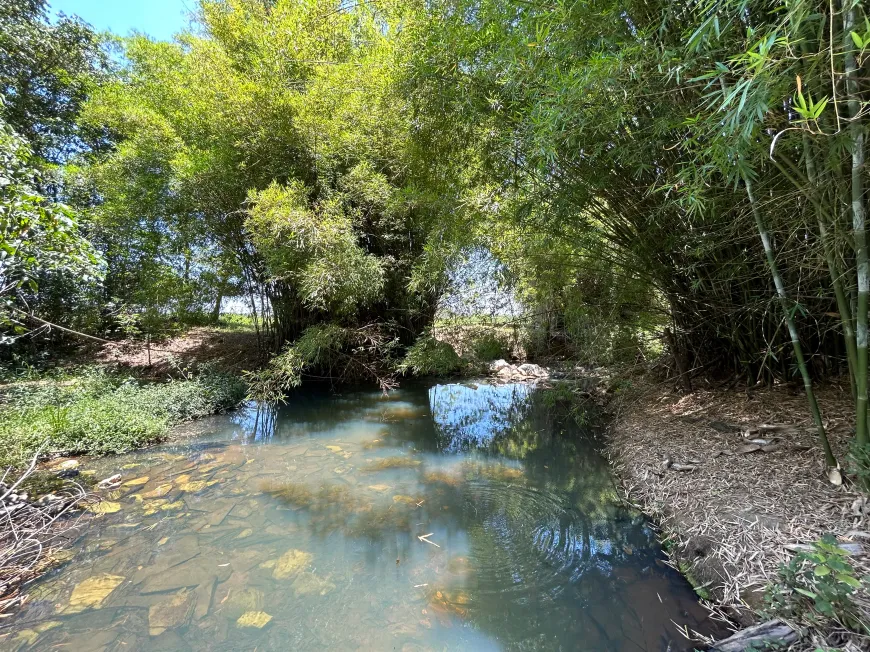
[463,516]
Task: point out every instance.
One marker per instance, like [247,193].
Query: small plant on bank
[430,357]
[562,395]
[818,586]
[859,465]
[489,347]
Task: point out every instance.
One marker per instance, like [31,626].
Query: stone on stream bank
[774,634]
[504,370]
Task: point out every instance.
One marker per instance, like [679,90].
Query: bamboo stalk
[792,329]
[858,222]
[840,294]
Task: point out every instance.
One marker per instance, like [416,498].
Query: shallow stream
[446,517]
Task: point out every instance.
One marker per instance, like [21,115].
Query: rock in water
[309,584]
[258,619]
[533,370]
[245,601]
[498,365]
[92,592]
[290,563]
[171,613]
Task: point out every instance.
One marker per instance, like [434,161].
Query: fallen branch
[30,530]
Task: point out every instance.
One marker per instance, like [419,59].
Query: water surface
[450,517]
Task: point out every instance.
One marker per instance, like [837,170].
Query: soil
[728,509]
[231,350]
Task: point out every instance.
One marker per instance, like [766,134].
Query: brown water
[300,529]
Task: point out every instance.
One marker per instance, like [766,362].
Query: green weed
[99,413]
[817,586]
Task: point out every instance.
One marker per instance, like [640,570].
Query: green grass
[93,412]
[232,323]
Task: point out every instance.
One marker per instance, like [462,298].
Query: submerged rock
[158,492]
[92,592]
[104,507]
[258,619]
[309,584]
[290,563]
[171,613]
[244,601]
[192,573]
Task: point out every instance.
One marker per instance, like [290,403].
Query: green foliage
[37,236]
[46,69]
[489,346]
[430,357]
[314,248]
[97,413]
[267,153]
[818,586]
[341,354]
[859,464]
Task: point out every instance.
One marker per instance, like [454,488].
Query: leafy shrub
[430,357]
[339,353]
[489,347]
[859,464]
[818,585]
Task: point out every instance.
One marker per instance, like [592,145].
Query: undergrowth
[820,586]
[96,412]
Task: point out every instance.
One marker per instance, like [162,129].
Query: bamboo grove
[689,174]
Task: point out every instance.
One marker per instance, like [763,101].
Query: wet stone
[189,574]
[290,563]
[92,592]
[310,584]
[172,612]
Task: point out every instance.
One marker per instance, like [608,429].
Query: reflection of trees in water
[557,542]
[256,422]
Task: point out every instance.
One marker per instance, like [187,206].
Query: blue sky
[157,18]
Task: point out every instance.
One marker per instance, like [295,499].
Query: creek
[436,517]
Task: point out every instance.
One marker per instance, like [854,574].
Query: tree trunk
[216,311]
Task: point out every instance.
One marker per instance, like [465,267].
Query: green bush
[488,347]
[100,413]
[818,585]
[429,357]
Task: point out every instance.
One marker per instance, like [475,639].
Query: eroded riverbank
[463,516]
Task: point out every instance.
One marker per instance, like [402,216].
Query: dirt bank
[233,350]
[730,510]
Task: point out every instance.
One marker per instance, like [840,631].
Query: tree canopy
[647,176]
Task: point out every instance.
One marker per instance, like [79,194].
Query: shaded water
[300,529]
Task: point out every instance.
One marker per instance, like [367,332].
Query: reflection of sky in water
[470,416]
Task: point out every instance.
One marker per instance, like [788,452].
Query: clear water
[300,529]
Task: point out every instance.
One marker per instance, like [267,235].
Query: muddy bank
[734,497]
